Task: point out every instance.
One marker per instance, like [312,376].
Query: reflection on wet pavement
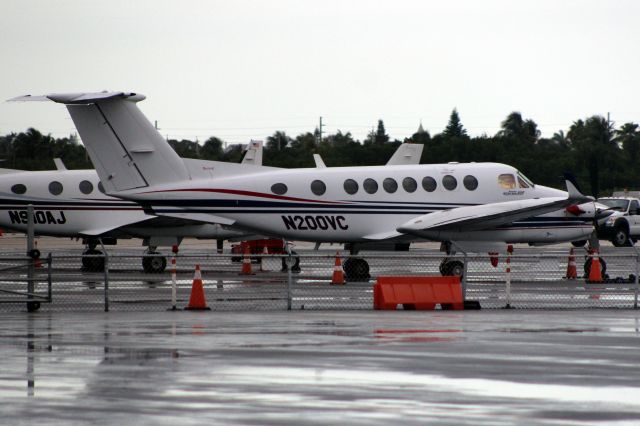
[321,367]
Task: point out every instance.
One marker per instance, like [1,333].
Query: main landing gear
[92,258]
[356,269]
[153,262]
[449,267]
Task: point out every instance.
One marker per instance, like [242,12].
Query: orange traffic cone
[338,273]
[197,301]
[572,272]
[246,262]
[37,262]
[595,272]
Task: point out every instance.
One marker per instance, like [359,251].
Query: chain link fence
[131,280]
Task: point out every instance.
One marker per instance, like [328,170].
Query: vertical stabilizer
[125,148]
[127,151]
[406,154]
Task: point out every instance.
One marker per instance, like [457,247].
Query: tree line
[603,158]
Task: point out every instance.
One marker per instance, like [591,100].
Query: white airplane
[407,153]
[469,207]
[72,203]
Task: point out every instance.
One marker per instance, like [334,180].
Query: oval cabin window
[318,187]
[350,186]
[429,184]
[55,188]
[279,188]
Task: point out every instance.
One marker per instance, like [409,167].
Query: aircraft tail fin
[407,153]
[125,148]
[253,155]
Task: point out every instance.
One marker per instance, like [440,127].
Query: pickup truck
[622,228]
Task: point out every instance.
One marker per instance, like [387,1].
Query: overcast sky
[243,69]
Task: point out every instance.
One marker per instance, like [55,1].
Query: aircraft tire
[154,264]
[356,269]
[296,265]
[92,264]
[33,306]
[452,268]
[580,243]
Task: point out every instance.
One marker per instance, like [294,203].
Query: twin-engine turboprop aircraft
[72,203]
[471,206]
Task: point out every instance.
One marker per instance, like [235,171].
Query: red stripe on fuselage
[248,194]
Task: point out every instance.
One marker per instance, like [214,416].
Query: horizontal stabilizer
[79,98]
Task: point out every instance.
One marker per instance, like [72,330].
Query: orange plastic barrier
[421,293]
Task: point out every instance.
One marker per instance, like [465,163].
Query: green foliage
[603,158]
[454,128]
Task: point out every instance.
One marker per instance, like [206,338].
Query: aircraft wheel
[587,267]
[452,268]
[296,264]
[356,269]
[154,264]
[92,264]
[580,243]
[33,306]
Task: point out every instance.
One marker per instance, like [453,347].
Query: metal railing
[528,281]
[25,281]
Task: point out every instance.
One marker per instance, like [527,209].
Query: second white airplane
[471,206]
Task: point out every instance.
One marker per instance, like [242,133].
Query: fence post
[106,281]
[174,272]
[49,262]
[508,278]
[290,262]
[465,270]
[31,306]
[635,289]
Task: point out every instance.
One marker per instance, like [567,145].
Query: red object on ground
[572,272]
[420,293]
[197,302]
[246,262]
[338,272]
[595,272]
[273,246]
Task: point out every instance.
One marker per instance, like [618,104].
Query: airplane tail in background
[126,149]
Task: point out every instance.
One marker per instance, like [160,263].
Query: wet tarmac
[321,368]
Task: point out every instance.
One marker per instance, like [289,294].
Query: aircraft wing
[489,216]
[198,217]
[118,221]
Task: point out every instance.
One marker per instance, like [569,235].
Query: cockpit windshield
[524,182]
[615,204]
[509,181]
